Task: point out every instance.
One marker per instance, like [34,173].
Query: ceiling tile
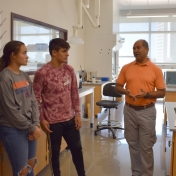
[124,2]
[172,1]
[158,2]
[166,1]
[147,4]
[139,3]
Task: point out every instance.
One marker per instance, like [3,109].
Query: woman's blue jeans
[18,148]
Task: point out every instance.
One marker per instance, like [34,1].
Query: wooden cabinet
[42,156]
[0,166]
[173,155]
[6,169]
[41,153]
[171,139]
[97,96]
[169,97]
[1,159]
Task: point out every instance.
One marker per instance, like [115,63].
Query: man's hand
[128,93]
[142,94]
[78,122]
[45,126]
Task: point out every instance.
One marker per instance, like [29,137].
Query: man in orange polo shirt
[144,83]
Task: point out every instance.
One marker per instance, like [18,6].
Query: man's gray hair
[144,43]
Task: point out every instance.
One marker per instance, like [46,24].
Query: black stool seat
[108,104]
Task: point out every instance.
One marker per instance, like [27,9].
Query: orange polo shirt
[135,77]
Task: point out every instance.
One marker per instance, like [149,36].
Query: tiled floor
[105,156]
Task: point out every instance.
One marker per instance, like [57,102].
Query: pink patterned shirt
[56,91]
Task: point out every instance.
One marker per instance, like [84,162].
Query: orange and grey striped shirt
[18,105]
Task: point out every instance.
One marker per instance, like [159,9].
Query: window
[124,27]
[163,48]
[160,34]
[126,52]
[36,36]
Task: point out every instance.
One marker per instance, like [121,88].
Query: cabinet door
[170,96]
[168,150]
[97,97]
[63,146]
[6,168]
[0,169]
[41,153]
[173,156]
[47,149]
[1,154]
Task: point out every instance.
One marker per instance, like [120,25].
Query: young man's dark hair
[56,44]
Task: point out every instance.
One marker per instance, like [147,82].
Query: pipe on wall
[97,14]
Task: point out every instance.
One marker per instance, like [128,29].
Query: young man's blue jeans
[18,148]
[72,137]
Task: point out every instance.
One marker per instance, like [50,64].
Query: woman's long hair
[9,48]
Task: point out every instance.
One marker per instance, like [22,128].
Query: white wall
[1,19]
[100,41]
[116,19]
[115,16]
[0,30]
[60,13]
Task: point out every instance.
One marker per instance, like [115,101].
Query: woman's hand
[36,134]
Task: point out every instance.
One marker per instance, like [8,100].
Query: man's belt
[138,108]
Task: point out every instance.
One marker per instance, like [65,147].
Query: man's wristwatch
[147,95]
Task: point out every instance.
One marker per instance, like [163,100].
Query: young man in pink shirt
[55,87]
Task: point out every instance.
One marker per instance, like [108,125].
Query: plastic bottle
[93,79]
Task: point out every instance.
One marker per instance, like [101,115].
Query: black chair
[109,90]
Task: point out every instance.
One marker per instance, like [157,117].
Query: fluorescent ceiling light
[173,15]
[146,16]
